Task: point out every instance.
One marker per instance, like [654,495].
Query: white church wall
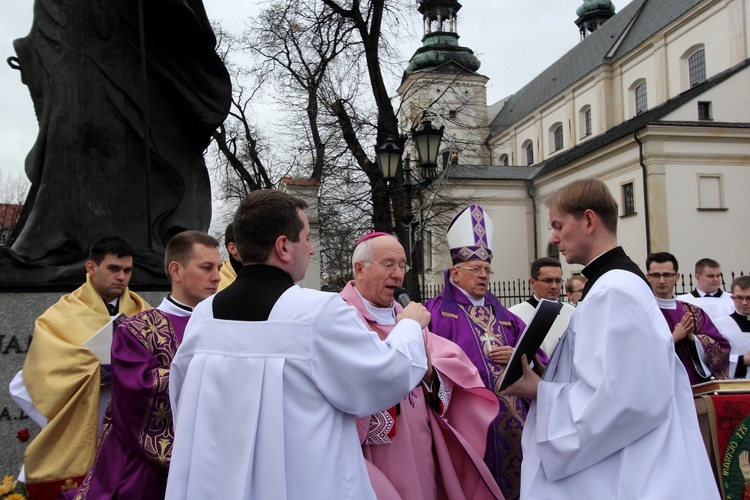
[723,109]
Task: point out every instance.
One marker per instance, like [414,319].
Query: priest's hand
[501,354]
[526,386]
[683,329]
[417,312]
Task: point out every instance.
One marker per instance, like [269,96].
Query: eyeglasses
[658,276]
[392,266]
[477,270]
[549,281]
[741,298]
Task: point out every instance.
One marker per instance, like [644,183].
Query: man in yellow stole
[232,265]
[63,378]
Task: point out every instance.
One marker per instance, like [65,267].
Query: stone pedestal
[18,311]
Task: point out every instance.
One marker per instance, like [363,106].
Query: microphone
[401,296]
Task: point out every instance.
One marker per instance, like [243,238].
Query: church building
[653,101]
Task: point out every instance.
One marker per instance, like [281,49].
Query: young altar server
[613,415]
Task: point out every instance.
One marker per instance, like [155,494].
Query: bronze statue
[100,99]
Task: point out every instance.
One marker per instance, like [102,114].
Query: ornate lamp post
[427,139]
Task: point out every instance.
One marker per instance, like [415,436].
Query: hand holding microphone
[417,312]
[412,310]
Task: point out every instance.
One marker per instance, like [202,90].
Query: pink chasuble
[430,456]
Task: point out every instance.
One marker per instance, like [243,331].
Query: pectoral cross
[487,338]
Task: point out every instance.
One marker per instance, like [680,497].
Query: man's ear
[232,249]
[90,266]
[281,248]
[531,281]
[358,267]
[592,220]
[174,271]
[453,273]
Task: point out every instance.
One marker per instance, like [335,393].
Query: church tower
[592,14]
[442,77]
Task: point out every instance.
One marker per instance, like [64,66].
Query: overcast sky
[514,39]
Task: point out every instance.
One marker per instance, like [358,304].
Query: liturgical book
[531,338]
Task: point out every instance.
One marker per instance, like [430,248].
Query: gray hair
[363,252]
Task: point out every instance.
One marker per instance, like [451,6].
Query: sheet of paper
[100,343]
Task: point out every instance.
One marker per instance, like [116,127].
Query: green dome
[441,48]
[595,7]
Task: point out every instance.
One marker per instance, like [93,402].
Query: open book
[100,344]
[532,337]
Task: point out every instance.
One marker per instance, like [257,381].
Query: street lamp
[427,139]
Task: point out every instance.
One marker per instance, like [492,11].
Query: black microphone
[402,296]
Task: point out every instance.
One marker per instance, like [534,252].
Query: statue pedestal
[18,311]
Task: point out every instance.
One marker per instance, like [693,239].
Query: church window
[584,121]
[504,160]
[529,150]
[697,68]
[553,251]
[711,192]
[704,110]
[557,137]
[628,199]
[641,99]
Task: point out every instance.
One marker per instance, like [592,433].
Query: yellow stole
[63,380]
[227,274]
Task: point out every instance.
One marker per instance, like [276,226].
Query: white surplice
[738,340]
[715,307]
[266,410]
[614,415]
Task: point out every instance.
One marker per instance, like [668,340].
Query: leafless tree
[13,192]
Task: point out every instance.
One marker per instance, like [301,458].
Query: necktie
[112,309]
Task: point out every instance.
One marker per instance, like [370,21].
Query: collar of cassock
[171,305]
[666,303]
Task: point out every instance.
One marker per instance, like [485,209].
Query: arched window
[584,118]
[553,251]
[504,160]
[697,68]
[528,148]
[556,136]
[641,98]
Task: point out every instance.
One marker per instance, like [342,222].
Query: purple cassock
[135,441]
[715,346]
[478,329]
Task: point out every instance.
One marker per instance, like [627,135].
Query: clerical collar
[533,300]
[236,265]
[666,303]
[609,261]
[700,293]
[179,304]
[381,315]
[474,301]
